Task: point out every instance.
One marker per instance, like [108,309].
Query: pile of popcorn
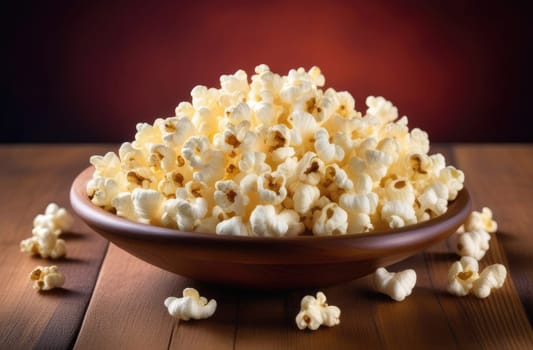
[279,156]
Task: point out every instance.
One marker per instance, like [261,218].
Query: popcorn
[434,199]
[280,146]
[463,278]
[147,205]
[229,198]
[54,217]
[453,179]
[44,242]
[330,220]
[462,275]
[325,150]
[481,221]
[46,278]
[315,312]
[233,226]
[190,306]
[304,196]
[46,229]
[266,222]
[474,244]
[397,285]
[271,188]
[398,214]
[491,277]
[102,190]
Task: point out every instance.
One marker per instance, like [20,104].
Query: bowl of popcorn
[273,182]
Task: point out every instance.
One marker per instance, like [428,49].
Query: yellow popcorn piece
[190,306]
[314,312]
[46,278]
[462,275]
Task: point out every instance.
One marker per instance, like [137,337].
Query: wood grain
[126,308]
[32,176]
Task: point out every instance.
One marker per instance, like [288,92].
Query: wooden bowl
[266,262]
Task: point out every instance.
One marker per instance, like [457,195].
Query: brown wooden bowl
[266,262]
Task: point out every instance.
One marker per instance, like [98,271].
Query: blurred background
[89,71]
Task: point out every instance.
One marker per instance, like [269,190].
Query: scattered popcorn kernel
[474,244]
[397,285]
[46,278]
[481,221]
[190,306]
[462,275]
[45,243]
[315,312]
[491,277]
[55,218]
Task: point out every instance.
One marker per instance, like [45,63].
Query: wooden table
[112,300]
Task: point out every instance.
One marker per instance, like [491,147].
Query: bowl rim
[99,217]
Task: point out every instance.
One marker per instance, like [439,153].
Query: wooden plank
[127,310]
[31,176]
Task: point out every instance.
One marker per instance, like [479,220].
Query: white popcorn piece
[359,203]
[265,221]
[271,188]
[233,226]
[434,199]
[54,217]
[400,189]
[303,130]
[228,197]
[123,205]
[190,306]
[491,277]
[315,312]
[162,157]
[473,243]
[359,223]
[398,214]
[107,165]
[310,169]
[176,130]
[481,221]
[326,151]
[46,278]
[304,196]
[381,108]
[146,134]
[187,212]
[45,243]
[148,205]
[102,190]
[254,162]
[453,179]
[397,285]
[130,156]
[331,220]
[462,275]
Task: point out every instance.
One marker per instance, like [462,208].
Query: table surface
[112,300]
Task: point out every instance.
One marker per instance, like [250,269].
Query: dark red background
[88,72]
